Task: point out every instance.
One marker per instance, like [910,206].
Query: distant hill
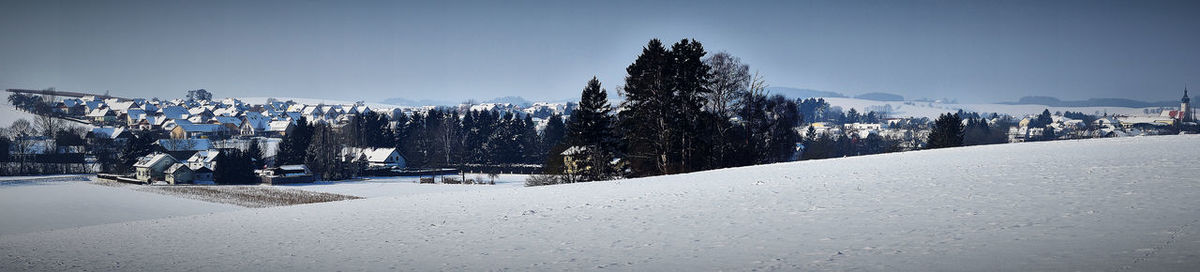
[1094,102]
[880,97]
[414,103]
[801,93]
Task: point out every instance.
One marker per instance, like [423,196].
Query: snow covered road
[1108,204]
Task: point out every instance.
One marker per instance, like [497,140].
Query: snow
[1104,204]
[9,114]
[62,205]
[931,110]
[405,186]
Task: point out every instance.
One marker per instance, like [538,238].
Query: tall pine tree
[947,131]
[591,129]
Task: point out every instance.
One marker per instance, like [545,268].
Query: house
[203,159]
[226,120]
[383,158]
[151,167]
[105,135]
[202,175]
[179,174]
[183,148]
[287,174]
[135,116]
[278,128]
[573,160]
[102,115]
[175,112]
[198,131]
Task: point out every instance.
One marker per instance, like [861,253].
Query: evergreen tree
[327,157]
[591,128]
[1042,120]
[947,131]
[415,142]
[852,116]
[691,81]
[553,134]
[1048,134]
[553,144]
[4,146]
[294,145]
[664,96]
[234,166]
[140,145]
[530,142]
[255,153]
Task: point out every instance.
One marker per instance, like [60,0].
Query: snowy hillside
[9,114]
[932,110]
[1105,204]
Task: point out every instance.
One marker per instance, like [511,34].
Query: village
[189,134]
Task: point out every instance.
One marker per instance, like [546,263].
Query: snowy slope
[403,186]
[1105,204]
[932,110]
[46,206]
[9,114]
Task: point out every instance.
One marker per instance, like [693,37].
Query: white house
[379,157]
[151,167]
[203,159]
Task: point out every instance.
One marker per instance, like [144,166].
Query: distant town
[89,133]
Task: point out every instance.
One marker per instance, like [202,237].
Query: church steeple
[1185,98]
[1185,108]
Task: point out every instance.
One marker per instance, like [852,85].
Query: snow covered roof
[201,127]
[121,106]
[136,114]
[152,159]
[175,112]
[185,144]
[101,112]
[379,154]
[278,125]
[94,104]
[107,132]
[204,156]
[574,150]
[294,167]
[228,120]
[177,167]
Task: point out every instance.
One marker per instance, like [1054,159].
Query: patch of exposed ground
[250,196]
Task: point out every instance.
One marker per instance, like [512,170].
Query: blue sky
[976,51]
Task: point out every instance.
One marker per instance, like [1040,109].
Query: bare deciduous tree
[731,79]
[22,128]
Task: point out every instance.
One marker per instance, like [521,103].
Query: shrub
[539,180]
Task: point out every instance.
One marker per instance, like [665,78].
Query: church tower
[1185,108]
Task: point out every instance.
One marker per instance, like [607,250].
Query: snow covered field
[1105,204]
[401,186]
[42,206]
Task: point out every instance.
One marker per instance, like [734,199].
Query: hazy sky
[976,51]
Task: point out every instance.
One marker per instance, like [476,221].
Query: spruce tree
[947,131]
[645,127]
[591,128]
[662,116]
[255,153]
[293,148]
